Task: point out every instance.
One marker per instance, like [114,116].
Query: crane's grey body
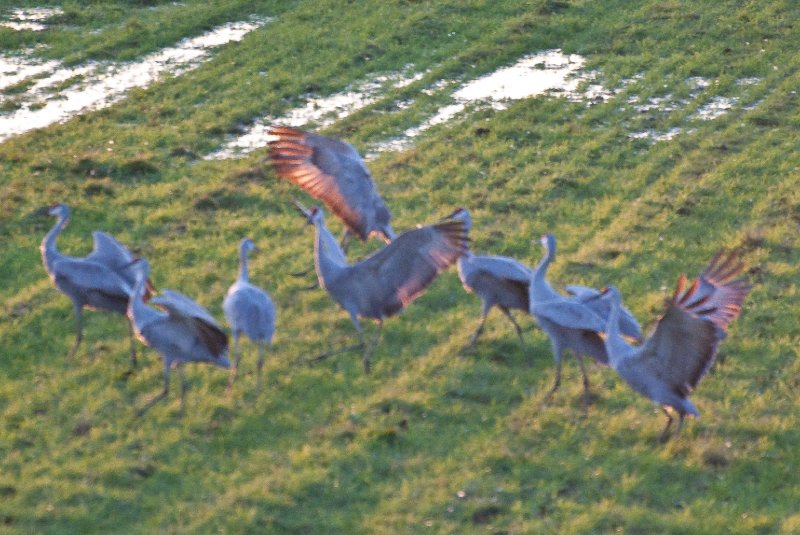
[386,282]
[249,310]
[100,281]
[571,322]
[183,332]
[333,172]
[683,345]
[499,281]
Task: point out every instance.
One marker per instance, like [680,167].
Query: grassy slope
[429,441]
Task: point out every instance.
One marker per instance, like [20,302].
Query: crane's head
[548,241]
[248,245]
[383,227]
[609,292]
[314,215]
[59,210]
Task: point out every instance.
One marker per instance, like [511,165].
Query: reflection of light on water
[717,107]
[318,112]
[549,71]
[105,84]
[30,18]
[16,69]
[532,75]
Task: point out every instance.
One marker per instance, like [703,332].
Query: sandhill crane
[100,281]
[498,280]
[333,172]
[384,283]
[572,322]
[249,310]
[186,332]
[682,347]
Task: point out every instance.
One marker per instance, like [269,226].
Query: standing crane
[386,282]
[683,345]
[333,172]
[100,281]
[249,310]
[498,280]
[183,332]
[572,322]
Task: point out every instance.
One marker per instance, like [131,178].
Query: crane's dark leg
[368,351]
[346,237]
[238,356]
[474,338]
[184,387]
[79,331]
[665,433]
[680,425]
[161,395]
[517,328]
[333,352]
[260,363]
[133,343]
[557,382]
[579,357]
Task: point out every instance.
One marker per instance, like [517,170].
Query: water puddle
[100,85]
[15,69]
[30,18]
[316,113]
[715,106]
[549,72]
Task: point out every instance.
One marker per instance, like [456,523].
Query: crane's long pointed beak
[302,209]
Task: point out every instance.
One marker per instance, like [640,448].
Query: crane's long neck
[49,249]
[540,288]
[243,274]
[138,312]
[616,346]
[328,255]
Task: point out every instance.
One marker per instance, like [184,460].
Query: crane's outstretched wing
[590,297]
[183,309]
[89,275]
[684,343]
[110,252]
[329,170]
[502,267]
[569,313]
[107,250]
[497,275]
[397,274]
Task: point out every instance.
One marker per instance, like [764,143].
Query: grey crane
[100,281]
[386,282]
[249,310]
[683,345]
[333,172]
[572,322]
[183,332]
[498,280]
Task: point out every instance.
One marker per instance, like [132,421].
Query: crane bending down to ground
[573,322]
[498,280]
[186,332]
[333,172]
[103,280]
[384,283]
[249,310]
[682,347]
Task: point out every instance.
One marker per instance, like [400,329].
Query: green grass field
[431,441]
